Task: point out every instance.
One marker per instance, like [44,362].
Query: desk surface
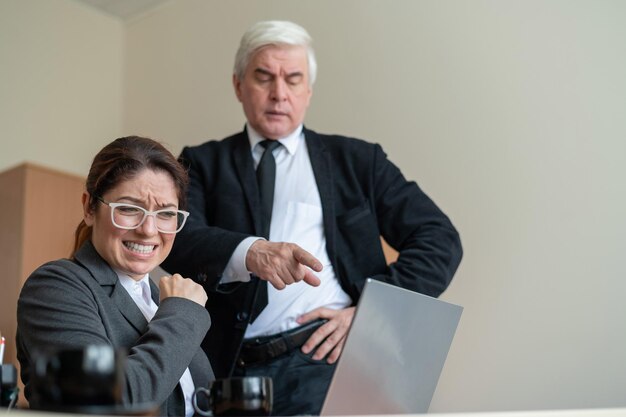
[608,412]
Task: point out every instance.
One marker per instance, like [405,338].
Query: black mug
[237,396]
[77,378]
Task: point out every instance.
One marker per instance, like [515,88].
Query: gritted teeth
[136,247]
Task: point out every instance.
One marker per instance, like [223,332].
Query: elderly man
[281,204]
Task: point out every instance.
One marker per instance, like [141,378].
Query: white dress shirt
[297,218]
[141,294]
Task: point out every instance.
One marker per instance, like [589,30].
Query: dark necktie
[266,178]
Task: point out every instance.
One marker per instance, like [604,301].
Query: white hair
[277,33]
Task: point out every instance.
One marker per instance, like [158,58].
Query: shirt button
[242,316]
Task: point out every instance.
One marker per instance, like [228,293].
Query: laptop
[394,353]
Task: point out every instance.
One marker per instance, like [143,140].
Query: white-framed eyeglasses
[129,216]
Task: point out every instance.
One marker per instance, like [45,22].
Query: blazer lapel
[323,172]
[247,177]
[127,307]
[107,278]
[154,292]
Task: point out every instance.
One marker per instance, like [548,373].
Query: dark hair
[122,160]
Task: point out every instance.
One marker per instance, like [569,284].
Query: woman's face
[138,251]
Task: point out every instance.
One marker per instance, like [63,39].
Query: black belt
[262,349]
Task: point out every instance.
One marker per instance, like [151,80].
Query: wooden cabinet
[39,211]
[391,255]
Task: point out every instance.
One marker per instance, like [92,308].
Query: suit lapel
[154,292]
[247,177]
[127,307]
[109,282]
[323,172]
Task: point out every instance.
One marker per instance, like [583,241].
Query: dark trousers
[300,383]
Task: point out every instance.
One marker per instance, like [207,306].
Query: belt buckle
[247,355]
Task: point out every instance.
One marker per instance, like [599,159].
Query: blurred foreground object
[8,386]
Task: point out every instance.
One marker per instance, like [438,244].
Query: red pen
[1,349]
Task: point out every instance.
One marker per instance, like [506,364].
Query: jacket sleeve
[429,246]
[201,251]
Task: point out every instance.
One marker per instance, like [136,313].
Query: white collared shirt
[296,217]
[141,294]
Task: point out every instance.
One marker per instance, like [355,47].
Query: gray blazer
[74,303]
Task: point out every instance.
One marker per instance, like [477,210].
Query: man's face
[275,90]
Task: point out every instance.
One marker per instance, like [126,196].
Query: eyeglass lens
[131,217]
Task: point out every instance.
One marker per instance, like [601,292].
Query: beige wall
[510,114]
[60,83]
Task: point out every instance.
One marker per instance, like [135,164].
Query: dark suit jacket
[363,196]
[74,303]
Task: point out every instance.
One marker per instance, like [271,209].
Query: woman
[103,295]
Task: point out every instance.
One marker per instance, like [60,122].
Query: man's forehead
[290,58]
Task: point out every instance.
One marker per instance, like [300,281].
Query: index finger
[306,259]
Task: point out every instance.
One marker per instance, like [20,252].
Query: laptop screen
[394,353]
